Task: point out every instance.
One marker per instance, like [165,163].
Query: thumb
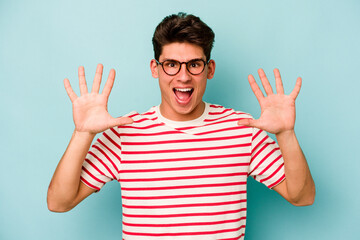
[121,121]
[248,122]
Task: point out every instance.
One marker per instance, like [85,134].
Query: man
[182,165]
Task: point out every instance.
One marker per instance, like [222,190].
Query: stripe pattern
[186,181]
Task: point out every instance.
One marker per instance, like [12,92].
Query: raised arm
[90,117]
[278,117]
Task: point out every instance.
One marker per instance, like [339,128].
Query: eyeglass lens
[172,67]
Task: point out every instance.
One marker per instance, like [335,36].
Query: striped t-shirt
[184,180]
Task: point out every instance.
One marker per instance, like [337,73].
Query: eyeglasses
[172,67]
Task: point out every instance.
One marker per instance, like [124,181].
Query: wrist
[77,133]
[285,135]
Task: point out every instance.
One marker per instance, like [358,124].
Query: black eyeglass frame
[181,63]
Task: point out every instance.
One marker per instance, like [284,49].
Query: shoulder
[218,111]
[141,120]
[140,117]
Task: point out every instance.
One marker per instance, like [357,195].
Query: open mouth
[183,94]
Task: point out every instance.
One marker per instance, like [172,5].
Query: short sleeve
[102,162]
[267,164]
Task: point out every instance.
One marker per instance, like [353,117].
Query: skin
[170,107]
[91,117]
[278,117]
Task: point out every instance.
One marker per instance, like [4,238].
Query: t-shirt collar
[176,124]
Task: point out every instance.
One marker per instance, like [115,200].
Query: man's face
[181,94]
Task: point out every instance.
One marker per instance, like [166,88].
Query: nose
[183,74]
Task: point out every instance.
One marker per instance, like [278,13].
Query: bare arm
[66,190]
[90,117]
[278,117]
[298,187]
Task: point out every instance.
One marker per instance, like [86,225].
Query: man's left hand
[277,109]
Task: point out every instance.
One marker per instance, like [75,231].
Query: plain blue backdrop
[42,42]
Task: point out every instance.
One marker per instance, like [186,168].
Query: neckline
[177,124]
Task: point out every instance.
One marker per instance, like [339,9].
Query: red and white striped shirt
[184,180]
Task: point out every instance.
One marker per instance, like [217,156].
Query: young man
[182,165]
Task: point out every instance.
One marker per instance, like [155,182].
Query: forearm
[64,185]
[299,183]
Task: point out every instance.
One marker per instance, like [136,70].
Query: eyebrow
[194,59]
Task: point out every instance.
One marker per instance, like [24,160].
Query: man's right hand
[90,117]
[90,109]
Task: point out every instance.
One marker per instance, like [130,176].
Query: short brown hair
[181,28]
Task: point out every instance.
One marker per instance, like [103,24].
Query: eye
[195,64]
[170,64]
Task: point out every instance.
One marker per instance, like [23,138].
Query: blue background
[42,42]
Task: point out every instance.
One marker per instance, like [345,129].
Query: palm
[90,113]
[277,110]
[277,114]
[90,109]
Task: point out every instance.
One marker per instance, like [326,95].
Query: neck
[174,115]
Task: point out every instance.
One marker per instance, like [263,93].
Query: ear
[154,68]
[211,69]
